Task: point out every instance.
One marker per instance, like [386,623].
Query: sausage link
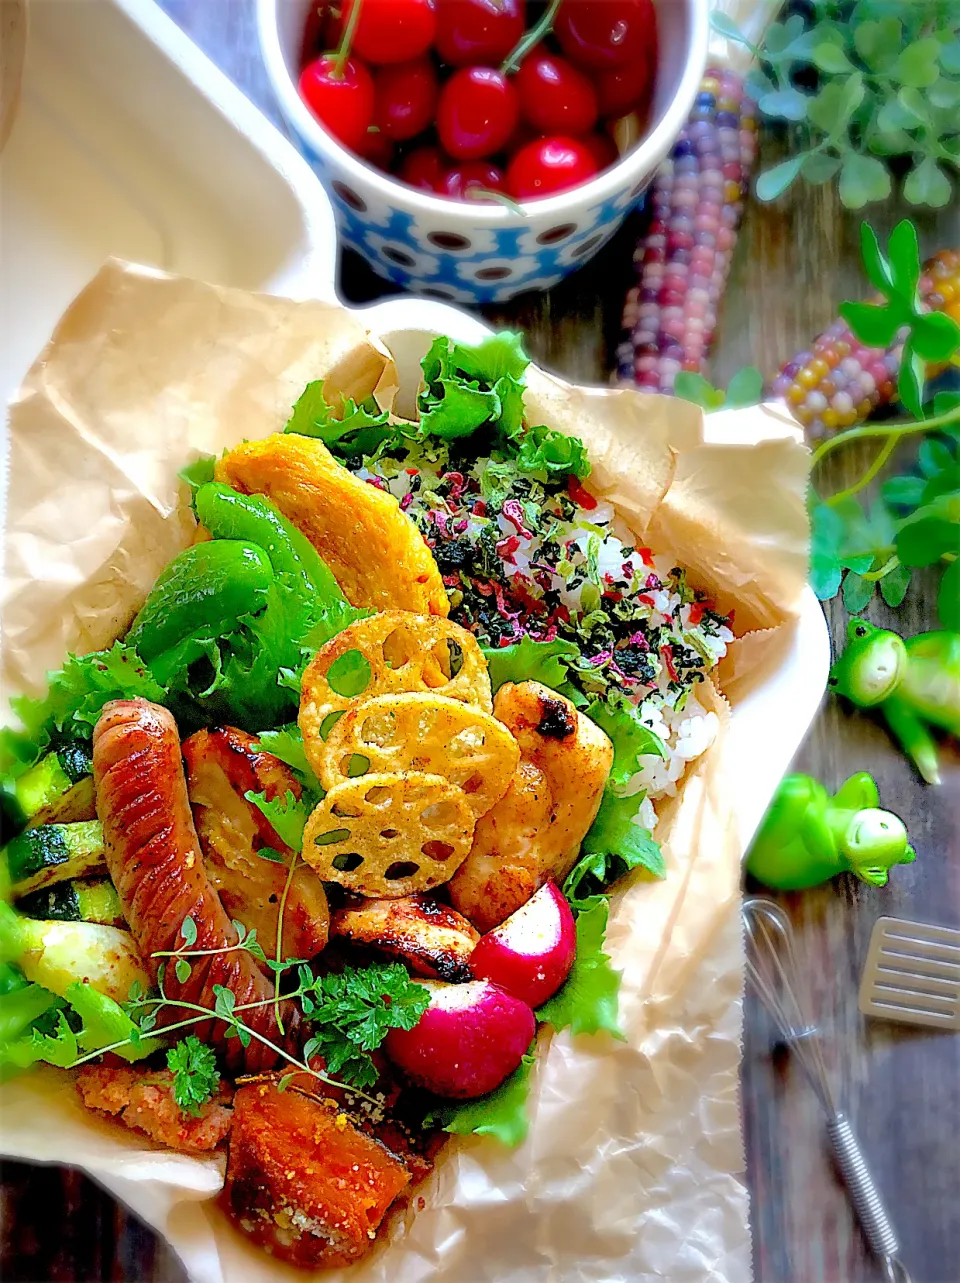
[154,859]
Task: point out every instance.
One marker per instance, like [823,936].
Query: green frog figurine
[913,682]
[808,837]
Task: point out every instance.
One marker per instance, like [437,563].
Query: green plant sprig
[916,520]
[888,86]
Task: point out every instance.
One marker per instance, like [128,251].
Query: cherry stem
[530,38]
[343,51]
[496,198]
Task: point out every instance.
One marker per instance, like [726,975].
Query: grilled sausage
[154,859]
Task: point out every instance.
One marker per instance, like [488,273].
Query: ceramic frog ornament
[808,837]
[913,682]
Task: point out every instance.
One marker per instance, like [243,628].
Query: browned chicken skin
[222,766]
[534,832]
[432,939]
[154,860]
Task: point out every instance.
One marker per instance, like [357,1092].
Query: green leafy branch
[916,520]
[887,86]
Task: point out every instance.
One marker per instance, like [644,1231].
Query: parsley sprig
[196,1077]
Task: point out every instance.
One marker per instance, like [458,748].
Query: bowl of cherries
[478,149]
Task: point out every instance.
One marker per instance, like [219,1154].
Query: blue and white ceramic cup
[476,253]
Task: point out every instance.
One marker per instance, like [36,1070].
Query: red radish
[621,90]
[531,953]
[478,31]
[392,30]
[477,113]
[406,98]
[472,175]
[601,34]
[425,168]
[549,165]
[555,97]
[603,150]
[377,149]
[466,1042]
[340,98]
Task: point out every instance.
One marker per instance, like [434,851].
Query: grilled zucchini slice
[59,786]
[80,900]
[53,853]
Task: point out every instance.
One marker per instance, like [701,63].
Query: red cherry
[555,97]
[424,168]
[477,113]
[472,175]
[376,149]
[392,30]
[623,88]
[478,31]
[603,150]
[549,165]
[343,103]
[406,98]
[601,34]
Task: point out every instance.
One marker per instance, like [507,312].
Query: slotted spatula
[912,974]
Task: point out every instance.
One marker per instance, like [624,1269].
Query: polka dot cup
[468,253]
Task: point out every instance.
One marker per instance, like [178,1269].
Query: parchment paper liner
[630,1169]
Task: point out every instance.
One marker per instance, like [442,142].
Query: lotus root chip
[389,834]
[405,653]
[430,733]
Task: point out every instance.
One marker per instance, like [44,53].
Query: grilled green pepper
[298,566]
[203,592]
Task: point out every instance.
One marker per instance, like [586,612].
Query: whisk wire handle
[773,972]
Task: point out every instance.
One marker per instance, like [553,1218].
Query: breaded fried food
[303,1181]
[376,553]
[534,832]
[142,1099]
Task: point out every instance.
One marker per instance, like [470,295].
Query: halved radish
[466,1042]
[531,953]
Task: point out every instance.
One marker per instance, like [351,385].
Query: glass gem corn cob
[682,263]
[841,381]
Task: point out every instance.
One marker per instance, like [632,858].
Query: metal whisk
[773,972]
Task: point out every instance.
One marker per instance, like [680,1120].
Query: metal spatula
[912,974]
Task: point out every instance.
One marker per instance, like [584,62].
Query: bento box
[659,1147]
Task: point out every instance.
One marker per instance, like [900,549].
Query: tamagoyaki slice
[424,732]
[386,835]
[377,555]
[404,653]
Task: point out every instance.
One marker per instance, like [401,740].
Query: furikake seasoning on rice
[526,551]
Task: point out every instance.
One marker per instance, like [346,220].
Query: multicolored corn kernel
[840,381]
[682,263]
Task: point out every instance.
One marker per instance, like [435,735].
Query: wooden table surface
[794,263]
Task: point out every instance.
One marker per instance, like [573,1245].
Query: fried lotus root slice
[406,653]
[388,835]
[428,733]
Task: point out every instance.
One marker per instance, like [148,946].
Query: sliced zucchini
[54,853]
[82,900]
[55,954]
[55,787]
